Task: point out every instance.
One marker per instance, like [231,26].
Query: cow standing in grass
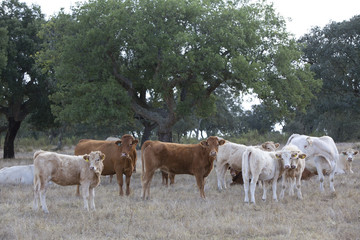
[67,170]
[120,157]
[174,158]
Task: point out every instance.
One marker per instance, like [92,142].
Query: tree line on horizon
[164,68]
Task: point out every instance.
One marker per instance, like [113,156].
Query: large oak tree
[164,59]
[23,87]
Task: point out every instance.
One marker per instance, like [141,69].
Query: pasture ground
[178,212]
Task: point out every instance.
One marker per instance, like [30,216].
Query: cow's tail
[37,153]
[143,149]
[246,164]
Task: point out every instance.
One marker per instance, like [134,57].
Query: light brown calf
[67,170]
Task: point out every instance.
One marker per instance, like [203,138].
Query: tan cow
[67,170]
[120,157]
[173,158]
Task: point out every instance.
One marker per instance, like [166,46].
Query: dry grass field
[178,212]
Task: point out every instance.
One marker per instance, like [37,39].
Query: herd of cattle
[302,156]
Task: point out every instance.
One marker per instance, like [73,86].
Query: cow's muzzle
[293,166]
[350,159]
[287,166]
[124,154]
[213,154]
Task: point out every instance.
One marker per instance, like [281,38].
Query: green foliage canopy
[164,59]
[334,54]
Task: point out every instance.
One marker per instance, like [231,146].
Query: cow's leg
[128,185]
[283,186]
[220,174]
[110,178]
[85,194]
[147,177]
[201,184]
[264,187]
[77,190]
[42,194]
[350,167]
[120,181]
[331,178]
[36,192]
[246,186]
[274,184]
[165,178]
[292,184]
[253,182]
[298,186]
[92,198]
[319,170]
[172,178]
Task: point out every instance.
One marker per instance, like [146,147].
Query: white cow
[17,175]
[345,161]
[259,165]
[84,170]
[322,150]
[230,156]
[292,175]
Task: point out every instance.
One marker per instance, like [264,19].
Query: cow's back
[173,157]
[109,148]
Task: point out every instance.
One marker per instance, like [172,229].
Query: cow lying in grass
[84,170]
[17,175]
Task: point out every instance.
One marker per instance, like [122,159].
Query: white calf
[84,170]
[230,156]
[345,161]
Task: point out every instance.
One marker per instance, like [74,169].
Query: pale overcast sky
[301,15]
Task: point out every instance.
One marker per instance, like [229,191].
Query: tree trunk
[165,136]
[148,127]
[13,128]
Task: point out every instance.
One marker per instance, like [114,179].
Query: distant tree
[334,55]
[164,59]
[21,83]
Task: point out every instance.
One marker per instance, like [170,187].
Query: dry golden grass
[178,212]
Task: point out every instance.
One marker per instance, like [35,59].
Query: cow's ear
[356,152]
[221,142]
[86,157]
[264,145]
[204,143]
[135,142]
[118,143]
[278,156]
[277,145]
[302,156]
[308,139]
[102,156]
[344,153]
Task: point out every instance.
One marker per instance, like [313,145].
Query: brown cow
[173,158]
[120,157]
[67,170]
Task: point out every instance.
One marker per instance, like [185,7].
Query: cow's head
[95,159]
[126,144]
[349,153]
[290,158]
[212,144]
[270,146]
